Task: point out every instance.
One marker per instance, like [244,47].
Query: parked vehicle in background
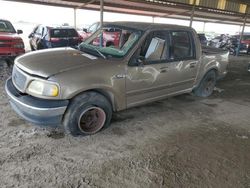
[110,36]
[231,43]
[203,39]
[80,89]
[11,44]
[87,32]
[219,41]
[44,37]
[245,43]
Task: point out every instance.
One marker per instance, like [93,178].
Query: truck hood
[46,63]
[9,36]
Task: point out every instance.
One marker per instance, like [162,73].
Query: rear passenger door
[183,62]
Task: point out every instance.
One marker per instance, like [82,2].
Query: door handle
[120,76]
[163,69]
[192,65]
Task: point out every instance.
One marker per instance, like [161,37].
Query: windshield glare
[6,27]
[111,41]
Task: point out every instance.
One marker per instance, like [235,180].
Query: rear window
[62,33]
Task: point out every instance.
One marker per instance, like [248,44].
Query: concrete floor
[183,141]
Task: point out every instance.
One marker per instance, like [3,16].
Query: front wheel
[206,85]
[87,114]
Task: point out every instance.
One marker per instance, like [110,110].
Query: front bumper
[10,55]
[35,110]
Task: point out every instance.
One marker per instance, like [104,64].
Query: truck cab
[81,88]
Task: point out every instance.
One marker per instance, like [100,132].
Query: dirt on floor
[183,141]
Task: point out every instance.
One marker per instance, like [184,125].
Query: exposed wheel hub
[91,120]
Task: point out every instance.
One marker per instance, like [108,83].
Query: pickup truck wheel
[207,85]
[87,114]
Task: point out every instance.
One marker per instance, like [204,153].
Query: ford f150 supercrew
[80,89]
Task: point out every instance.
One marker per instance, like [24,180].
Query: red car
[245,43]
[110,36]
[11,45]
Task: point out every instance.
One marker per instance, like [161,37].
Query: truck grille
[19,79]
[5,43]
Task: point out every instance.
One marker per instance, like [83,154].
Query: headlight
[38,87]
[20,45]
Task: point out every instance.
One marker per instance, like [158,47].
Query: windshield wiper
[100,53]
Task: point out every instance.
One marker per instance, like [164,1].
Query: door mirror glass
[31,35]
[19,31]
[140,61]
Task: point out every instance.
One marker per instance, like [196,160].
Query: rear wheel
[39,46]
[31,47]
[207,85]
[87,114]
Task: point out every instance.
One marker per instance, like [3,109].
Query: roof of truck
[146,26]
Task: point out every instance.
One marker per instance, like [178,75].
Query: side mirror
[85,30]
[31,35]
[19,31]
[140,61]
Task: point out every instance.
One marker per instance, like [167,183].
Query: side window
[181,47]
[39,30]
[155,47]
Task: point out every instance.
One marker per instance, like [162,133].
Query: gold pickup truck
[80,89]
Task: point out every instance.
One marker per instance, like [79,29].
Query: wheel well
[108,95]
[212,69]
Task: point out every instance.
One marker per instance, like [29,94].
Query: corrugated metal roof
[221,11]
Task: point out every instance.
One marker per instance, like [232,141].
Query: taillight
[18,43]
[54,39]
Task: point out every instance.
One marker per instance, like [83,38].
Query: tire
[87,114]
[9,62]
[32,48]
[206,85]
[39,46]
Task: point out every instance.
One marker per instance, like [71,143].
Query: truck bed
[207,50]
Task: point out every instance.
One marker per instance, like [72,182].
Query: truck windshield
[6,27]
[111,41]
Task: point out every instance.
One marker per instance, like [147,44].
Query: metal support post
[75,18]
[242,32]
[101,12]
[192,14]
